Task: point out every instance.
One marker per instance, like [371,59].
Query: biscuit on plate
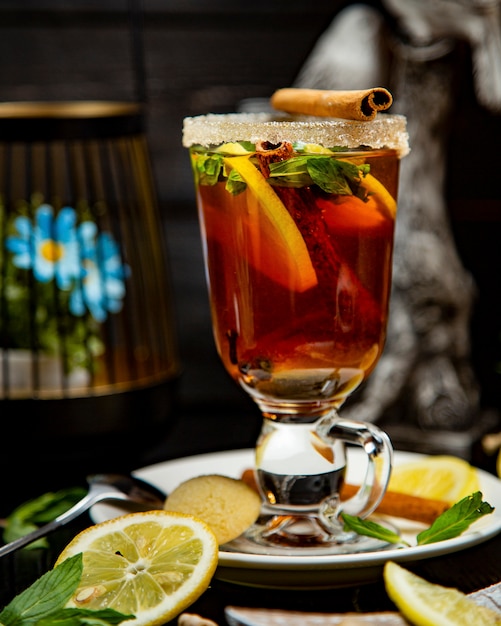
[228,505]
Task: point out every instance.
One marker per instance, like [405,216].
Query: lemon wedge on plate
[441,477]
[428,604]
[151,565]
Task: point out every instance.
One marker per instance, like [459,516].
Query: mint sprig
[456,520]
[369,528]
[43,603]
[448,525]
[333,176]
[207,168]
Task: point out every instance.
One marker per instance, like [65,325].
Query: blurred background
[189,57]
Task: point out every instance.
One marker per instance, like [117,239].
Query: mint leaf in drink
[46,595]
[331,175]
[235,184]
[456,520]
[370,529]
[207,168]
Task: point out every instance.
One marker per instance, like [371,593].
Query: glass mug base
[300,535]
[302,505]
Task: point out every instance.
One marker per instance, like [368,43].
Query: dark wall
[183,57]
[208,55]
[197,56]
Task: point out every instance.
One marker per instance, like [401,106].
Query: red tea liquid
[300,324]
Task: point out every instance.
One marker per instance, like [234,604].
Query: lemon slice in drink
[286,233]
[380,194]
[427,604]
[375,188]
[151,565]
[233,148]
[444,477]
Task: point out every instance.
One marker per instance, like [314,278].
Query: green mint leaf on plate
[370,529]
[46,595]
[448,525]
[456,520]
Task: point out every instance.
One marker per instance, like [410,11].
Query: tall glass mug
[297,217]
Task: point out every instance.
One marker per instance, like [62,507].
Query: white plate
[311,572]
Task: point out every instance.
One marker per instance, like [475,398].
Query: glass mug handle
[377,446]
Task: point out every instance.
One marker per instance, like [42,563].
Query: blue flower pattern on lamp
[78,257]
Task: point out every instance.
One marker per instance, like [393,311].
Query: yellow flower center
[52,250]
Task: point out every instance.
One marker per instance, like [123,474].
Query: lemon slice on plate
[151,565]
[444,477]
[427,604]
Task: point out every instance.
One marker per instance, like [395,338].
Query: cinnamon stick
[403,505]
[361,105]
[394,503]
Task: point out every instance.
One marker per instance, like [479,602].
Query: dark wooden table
[468,570]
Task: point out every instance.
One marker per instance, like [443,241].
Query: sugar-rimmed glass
[297,219]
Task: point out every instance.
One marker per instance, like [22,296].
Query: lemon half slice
[427,604]
[444,477]
[151,565]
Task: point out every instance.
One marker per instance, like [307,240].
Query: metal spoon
[134,492]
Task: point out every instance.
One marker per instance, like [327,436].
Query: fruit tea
[298,228]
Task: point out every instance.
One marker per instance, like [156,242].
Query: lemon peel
[427,604]
[379,192]
[150,564]
[441,477]
[232,148]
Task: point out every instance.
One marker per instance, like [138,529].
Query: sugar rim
[385,131]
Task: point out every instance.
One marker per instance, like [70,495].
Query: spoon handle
[77,509]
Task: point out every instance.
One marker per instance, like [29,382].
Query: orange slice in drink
[290,254]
